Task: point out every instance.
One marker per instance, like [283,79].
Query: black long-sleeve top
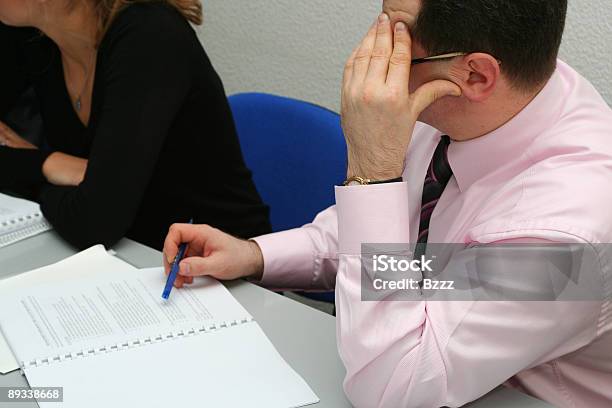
[161,142]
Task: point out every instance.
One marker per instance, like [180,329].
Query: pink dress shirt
[545,175]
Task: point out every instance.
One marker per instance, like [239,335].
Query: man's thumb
[196,266]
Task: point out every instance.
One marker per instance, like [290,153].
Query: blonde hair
[107,10]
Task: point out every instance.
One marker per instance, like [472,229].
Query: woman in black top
[138,131]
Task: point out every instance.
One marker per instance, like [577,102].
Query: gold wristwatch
[360,181]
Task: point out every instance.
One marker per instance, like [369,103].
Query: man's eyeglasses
[442,57]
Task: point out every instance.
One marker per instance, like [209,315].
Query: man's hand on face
[378,111]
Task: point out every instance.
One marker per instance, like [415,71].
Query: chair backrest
[296,151]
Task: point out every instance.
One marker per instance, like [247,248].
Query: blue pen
[175,268]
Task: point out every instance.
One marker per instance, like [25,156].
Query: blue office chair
[297,153]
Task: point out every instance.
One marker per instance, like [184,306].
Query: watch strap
[365,182]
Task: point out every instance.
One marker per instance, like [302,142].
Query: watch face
[356,181]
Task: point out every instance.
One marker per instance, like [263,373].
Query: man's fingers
[179,282]
[431,92]
[361,61]
[400,60]
[347,76]
[166,265]
[182,280]
[171,245]
[383,47]
[348,70]
[194,235]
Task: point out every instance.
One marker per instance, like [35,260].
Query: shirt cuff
[374,214]
[288,259]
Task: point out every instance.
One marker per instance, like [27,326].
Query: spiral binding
[34,224]
[135,343]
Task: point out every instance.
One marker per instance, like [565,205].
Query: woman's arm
[57,168]
[61,169]
[146,74]
[20,162]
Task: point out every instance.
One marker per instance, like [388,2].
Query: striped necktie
[438,175]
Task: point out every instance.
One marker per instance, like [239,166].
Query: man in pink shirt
[528,161]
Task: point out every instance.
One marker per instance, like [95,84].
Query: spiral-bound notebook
[19,219]
[106,336]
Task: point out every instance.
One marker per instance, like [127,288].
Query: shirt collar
[474,159]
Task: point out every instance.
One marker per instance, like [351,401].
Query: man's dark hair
[524,34]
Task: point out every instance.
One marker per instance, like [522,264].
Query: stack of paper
[99,328]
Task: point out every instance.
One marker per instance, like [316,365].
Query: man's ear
[477,75]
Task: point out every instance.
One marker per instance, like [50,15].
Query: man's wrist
[374,175]
[375,170]
[257,266]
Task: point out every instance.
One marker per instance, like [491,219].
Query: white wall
[297,48]
[587,45]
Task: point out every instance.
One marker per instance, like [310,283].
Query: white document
[7,360]
[234,367]
[121,305]
[93,260]
[19,219]
[109,339]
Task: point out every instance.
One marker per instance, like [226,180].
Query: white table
[305,337]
